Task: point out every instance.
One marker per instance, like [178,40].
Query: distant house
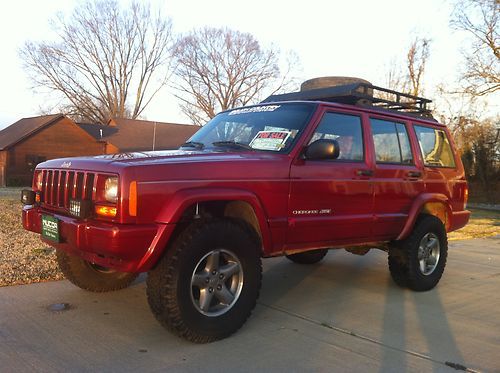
[30,141]
[129,135]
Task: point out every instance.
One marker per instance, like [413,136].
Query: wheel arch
[434,204]
[219,202]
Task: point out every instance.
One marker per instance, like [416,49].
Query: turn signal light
[107,211]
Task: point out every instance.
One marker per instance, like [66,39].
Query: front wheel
[90,276]
[418,261]
[207,284]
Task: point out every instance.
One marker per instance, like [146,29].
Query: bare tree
[108,61]
[410,79]
[481,20]
[220,68]
[416,59]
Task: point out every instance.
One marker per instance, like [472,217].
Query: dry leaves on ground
[482,224]
[24,258]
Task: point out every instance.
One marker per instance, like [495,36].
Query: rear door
[397,178]
[331,200]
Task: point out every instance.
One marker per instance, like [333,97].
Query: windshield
[264,128]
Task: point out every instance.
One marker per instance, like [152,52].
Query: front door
[331,200]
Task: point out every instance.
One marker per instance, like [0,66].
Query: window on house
[435,147]
[33,160]
[346,129]
[391,141]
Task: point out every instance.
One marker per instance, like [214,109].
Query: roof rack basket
[362,94]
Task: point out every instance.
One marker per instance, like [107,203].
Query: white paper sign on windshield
[270,140]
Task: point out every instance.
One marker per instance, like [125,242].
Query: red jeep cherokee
[297,175]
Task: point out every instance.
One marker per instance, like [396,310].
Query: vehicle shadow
[357,294]
[407,311]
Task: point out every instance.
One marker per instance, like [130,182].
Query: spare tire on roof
[330,81]
[334,81]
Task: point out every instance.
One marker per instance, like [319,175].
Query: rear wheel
[418,262]
[207,284]
[90,276]
[308,257]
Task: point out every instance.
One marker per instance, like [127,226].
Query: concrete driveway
[343,314]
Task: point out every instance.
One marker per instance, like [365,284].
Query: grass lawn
[482,224]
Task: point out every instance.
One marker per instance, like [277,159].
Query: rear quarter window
[435,147]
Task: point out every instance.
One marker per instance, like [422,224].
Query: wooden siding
[111,149]
[58,140]
[3,167]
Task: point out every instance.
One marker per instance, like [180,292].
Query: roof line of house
[33,131]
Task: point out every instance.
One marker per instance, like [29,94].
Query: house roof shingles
[23,128]
[137,135]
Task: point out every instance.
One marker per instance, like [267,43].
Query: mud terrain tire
[90,276]
[207,284]
[418,261]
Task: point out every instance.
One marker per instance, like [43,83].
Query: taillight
[466,195]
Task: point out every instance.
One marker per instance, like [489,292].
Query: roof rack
[362,94]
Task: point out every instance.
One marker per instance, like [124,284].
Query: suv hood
[181,161]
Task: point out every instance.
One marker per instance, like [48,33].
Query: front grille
[58,186]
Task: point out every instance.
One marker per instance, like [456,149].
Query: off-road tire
[403,256]
[170,287]
[92,277]
[308,257]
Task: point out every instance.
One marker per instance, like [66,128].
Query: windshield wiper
[193,144]
[233,144]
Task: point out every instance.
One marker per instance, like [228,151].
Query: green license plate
[50,228]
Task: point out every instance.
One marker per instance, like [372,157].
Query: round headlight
[111,189]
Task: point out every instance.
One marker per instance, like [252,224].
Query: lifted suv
[297,175]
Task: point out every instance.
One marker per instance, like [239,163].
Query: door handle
[414,174]
[364,172]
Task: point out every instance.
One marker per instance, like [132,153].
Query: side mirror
[323,149]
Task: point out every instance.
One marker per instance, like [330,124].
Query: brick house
[129,135]
[30,141]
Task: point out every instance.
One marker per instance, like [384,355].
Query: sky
[331,38]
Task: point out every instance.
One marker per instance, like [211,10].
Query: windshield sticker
[270,140]
[255,109]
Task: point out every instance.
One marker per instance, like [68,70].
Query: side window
[392,144]
[344,128]
[435,147]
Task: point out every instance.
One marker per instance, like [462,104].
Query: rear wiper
[193,144]
[233,144]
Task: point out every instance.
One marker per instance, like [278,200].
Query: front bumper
[122,247]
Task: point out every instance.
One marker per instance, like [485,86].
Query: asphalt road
[343,314]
